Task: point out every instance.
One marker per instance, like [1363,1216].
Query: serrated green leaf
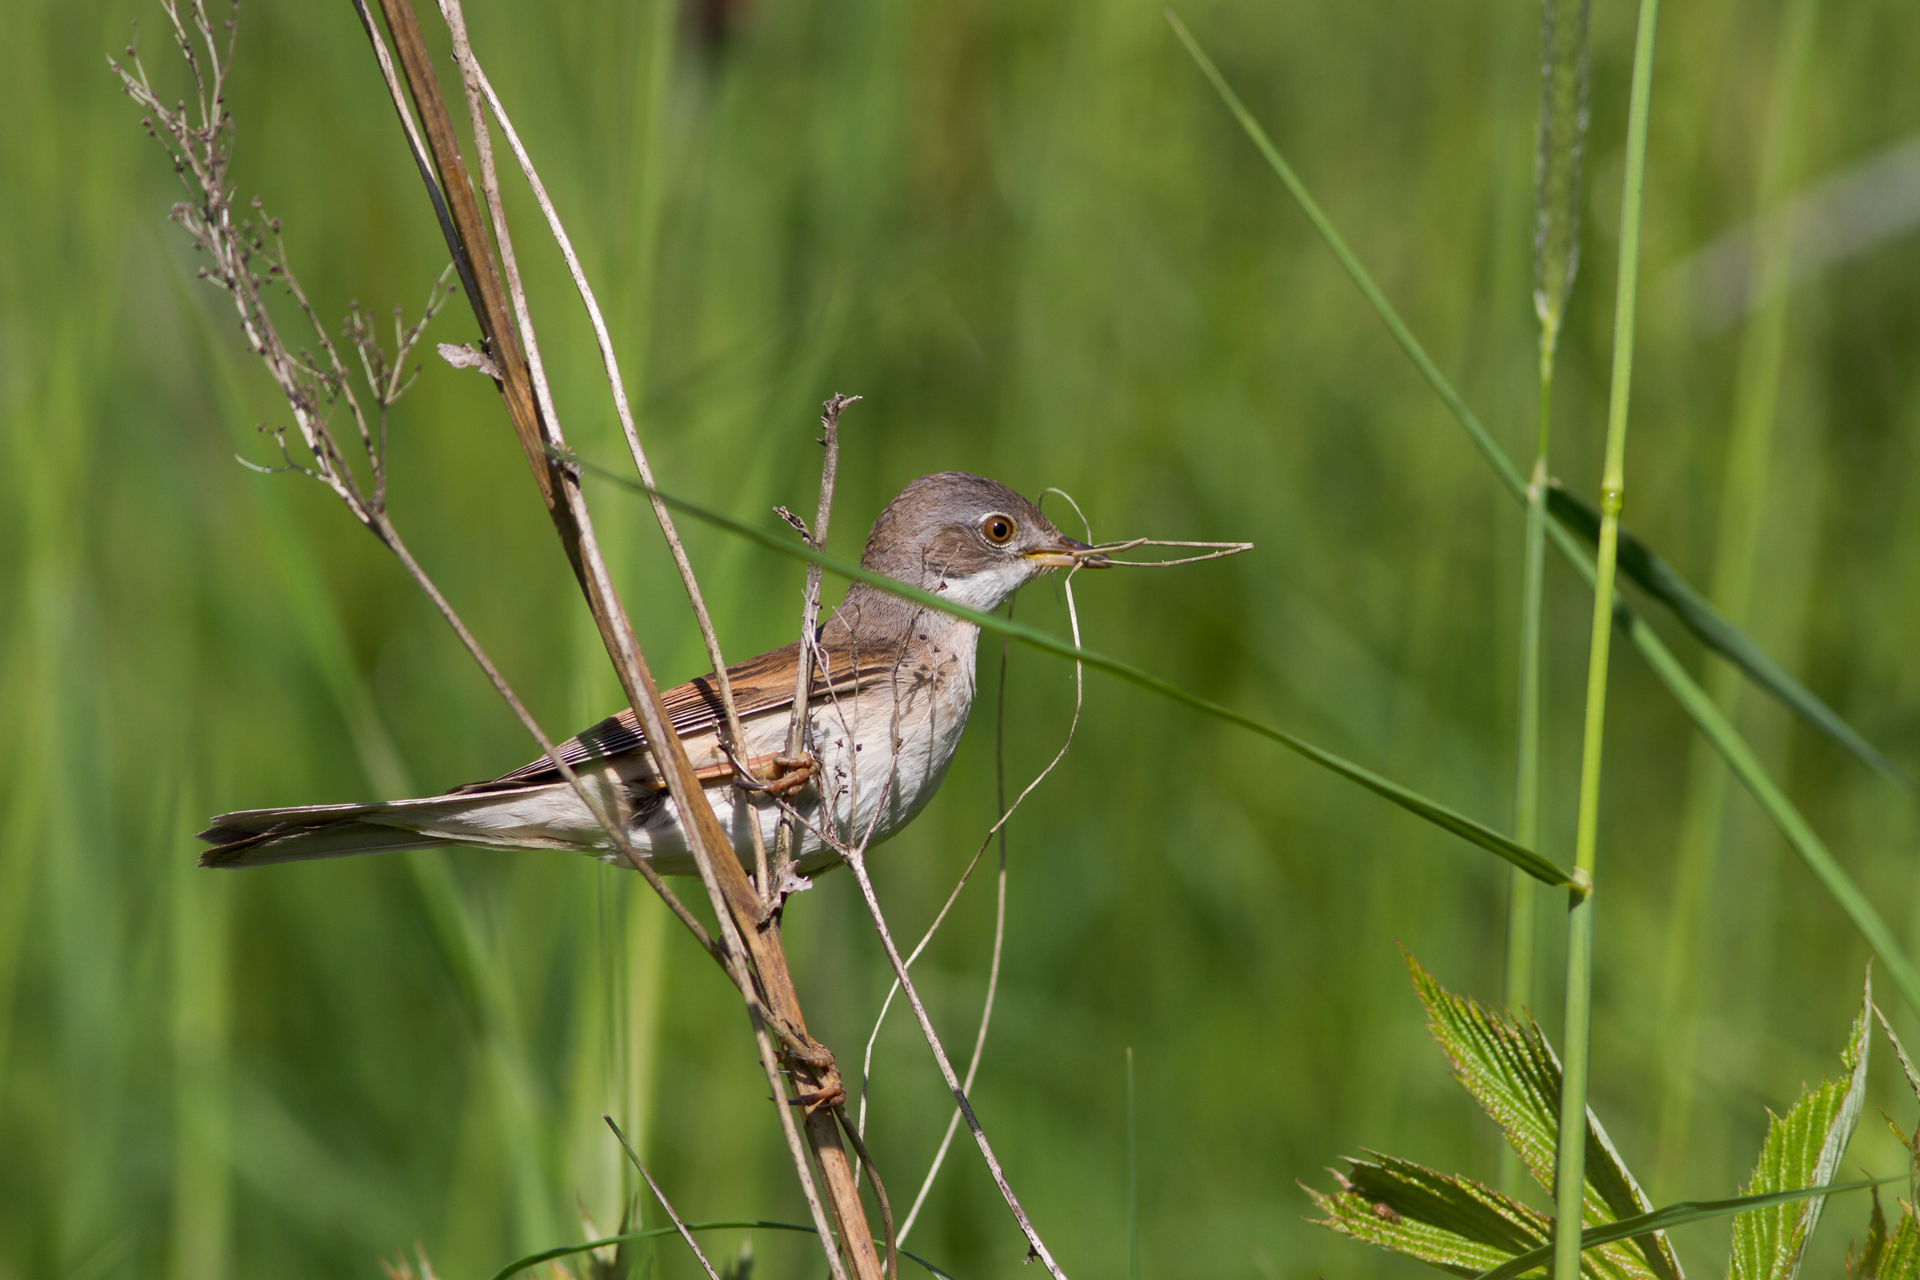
[1865,1265]
[1900,1256]
[1451,1223]
[1659,579]
[1460,1225]
[1802,1149]
[1512,1072]
[1899,1052]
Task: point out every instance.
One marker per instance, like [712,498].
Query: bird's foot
[785,774]
[790,773]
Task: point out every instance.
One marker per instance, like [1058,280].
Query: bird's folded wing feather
[761,686]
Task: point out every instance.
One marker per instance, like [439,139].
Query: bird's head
[970,539]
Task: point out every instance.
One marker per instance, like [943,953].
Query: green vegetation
[1468,1228]
[1035,241]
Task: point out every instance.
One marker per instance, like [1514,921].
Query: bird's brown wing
[760,685]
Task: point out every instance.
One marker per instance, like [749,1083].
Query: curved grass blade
[1658,579]
[1412,801]
[1496,457]
[654,1233]
[1706,716]
[1671,589]
[1746,766]
[1675,1215]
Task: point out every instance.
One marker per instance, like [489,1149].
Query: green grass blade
[1495,456]
[1676,1215]
[1412,801]
[1570,1179]
[1712,629]
[1659,580]
[1802,1148]
[1706,716]
[1746,766]
[654,1233]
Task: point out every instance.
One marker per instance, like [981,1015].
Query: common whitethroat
[884,719]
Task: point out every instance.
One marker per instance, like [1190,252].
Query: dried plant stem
[1100,554]
[879,1192]
[735,903]
[999,829]
[661,1196]
[979,1041]
[1570,1177]
[617,387]
[809,625]
[856,861]
[201,153]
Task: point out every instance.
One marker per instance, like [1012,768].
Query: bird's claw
[790,773]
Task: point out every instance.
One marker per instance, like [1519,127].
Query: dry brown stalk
[476,79]
[661,1196]
[816,538]
[772,1001]
[749,948]
[312,388]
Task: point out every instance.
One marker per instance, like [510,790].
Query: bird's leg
[789,773]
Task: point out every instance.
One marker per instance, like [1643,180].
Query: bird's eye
[998,529]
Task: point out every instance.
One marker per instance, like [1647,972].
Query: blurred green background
[1035,242]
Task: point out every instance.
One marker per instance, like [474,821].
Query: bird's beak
[1065,553]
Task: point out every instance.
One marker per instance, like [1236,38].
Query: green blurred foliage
[1034,241]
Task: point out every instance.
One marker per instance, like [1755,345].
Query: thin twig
[616,830]
[1100,553]
[623,410]
[798,724]
[999,829]
[560,489]
[879,1191]
[1000,908]
[707,852]
[855,858]
[856,862]
[661,1196]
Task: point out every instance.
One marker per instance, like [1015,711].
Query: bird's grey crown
[932,531]
[931,537]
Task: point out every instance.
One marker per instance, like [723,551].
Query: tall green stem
[1571,1179]
[1559,145]
[1526,791]
[1526,803]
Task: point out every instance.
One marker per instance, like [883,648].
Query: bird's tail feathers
[256,837]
